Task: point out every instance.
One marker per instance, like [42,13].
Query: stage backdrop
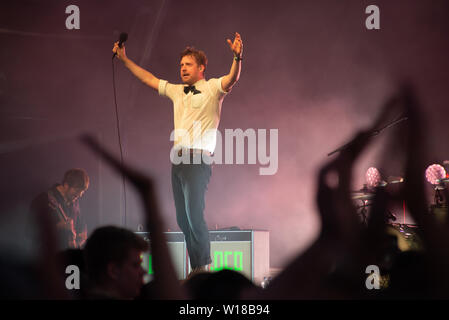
[311,70]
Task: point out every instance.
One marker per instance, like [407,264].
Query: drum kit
[436,174]
[406,234]
[368,192]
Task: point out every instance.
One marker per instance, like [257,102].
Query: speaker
[244,251]
[177,247]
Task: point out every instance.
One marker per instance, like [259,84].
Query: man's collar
[200,81]
[196,83]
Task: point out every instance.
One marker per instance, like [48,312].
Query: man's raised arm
[237,48]
[143,75]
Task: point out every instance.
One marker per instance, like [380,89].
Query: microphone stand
[374,133]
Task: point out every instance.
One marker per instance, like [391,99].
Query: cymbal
[364,191]
[394,179]
[367,196]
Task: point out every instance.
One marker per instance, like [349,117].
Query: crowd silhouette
[333,267]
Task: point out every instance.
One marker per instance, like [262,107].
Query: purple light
[435,172]
[372,177]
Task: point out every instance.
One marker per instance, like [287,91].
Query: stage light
[434,173]
[373,177]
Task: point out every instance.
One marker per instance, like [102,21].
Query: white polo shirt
[196,116]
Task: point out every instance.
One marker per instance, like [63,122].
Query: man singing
[197,108]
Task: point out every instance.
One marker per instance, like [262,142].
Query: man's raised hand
[236,45]
[120,52]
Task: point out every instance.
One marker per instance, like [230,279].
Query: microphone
[122,39]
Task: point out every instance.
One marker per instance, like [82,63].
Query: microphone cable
[119,138]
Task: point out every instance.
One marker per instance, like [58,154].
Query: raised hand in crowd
[433,232]
[333,267]
[165,283]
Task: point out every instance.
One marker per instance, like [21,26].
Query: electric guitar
[67,224]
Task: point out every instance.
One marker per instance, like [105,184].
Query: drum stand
[438,196]
[363,211]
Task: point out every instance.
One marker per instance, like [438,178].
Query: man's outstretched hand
[120,52]
[236,45]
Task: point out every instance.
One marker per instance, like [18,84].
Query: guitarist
[61,203]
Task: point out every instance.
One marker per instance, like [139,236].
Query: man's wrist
[238,57]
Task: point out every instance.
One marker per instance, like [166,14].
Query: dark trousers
[189,183]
